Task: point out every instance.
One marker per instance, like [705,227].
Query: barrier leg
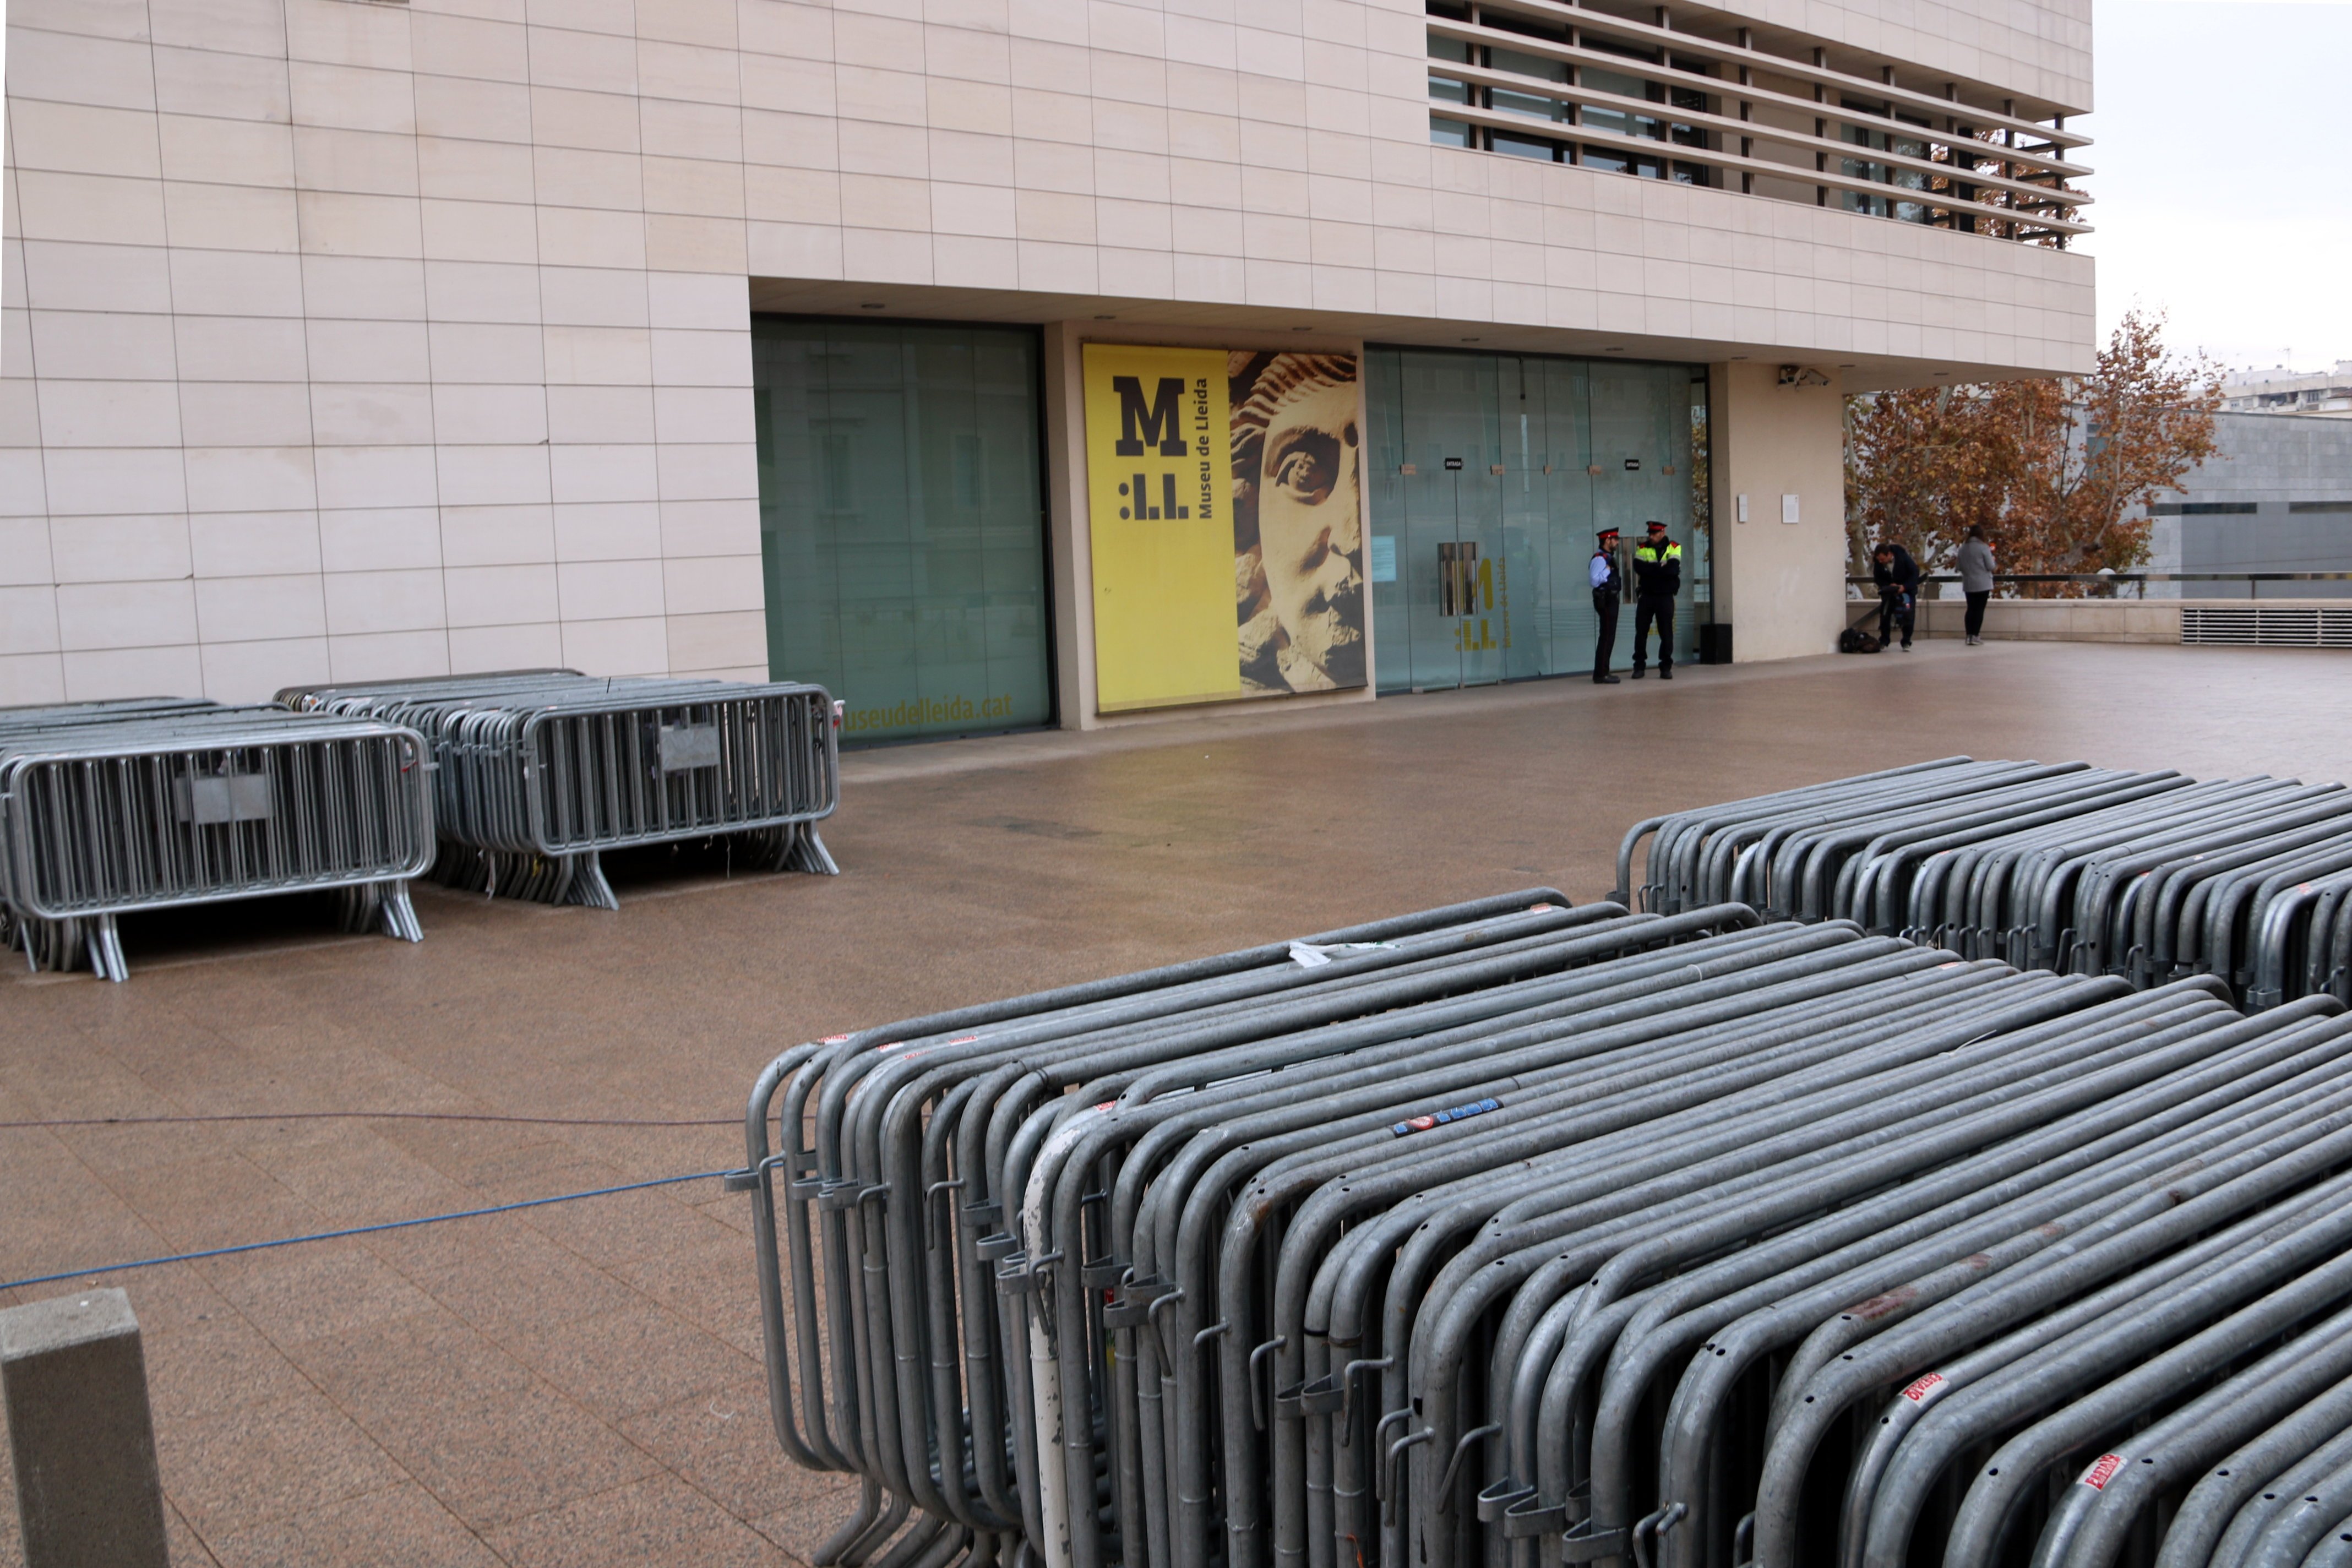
[589,888]
[399,914]
[809,853]
[106,959]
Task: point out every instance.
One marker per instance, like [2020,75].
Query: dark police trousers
[1660,608]
[1604,608]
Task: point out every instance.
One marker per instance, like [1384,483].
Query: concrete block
[88,1492]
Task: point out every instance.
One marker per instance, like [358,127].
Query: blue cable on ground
[362,1229]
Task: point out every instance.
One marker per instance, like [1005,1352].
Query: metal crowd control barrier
[542,771]
[1512,1234]
[2149,877]
[111,807]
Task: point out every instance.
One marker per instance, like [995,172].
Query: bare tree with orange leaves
[1921,467]
[2048,467]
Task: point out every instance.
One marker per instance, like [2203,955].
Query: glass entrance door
[1442,575]
[1427,569]
[1490,475]
[1473,591]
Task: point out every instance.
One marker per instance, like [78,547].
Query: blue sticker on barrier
[1459,1113]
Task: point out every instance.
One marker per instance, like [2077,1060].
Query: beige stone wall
[347,339]
[2086,620]
[1780,584]
[354,340]
[1276,158]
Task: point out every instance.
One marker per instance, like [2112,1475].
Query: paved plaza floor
[579,1384]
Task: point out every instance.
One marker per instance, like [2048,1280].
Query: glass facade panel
[1446,89]
[1533,106]
[1523,146]
[902,522]
[1888,173]
[1484,499]
[1617,119]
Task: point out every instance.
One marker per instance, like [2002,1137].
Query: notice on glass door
[1226,520]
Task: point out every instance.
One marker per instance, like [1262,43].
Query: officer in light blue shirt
[1608,590]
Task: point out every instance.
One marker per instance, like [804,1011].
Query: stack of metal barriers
[1512,1234]
[2150,877]
[108,808]
[542,771]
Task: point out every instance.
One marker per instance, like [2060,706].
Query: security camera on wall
[1802,375]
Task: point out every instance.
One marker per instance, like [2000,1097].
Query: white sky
[2224,174]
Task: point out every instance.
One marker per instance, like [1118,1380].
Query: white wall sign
[1788,509]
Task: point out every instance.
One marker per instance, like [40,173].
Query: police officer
[1608,587]
[1657,578]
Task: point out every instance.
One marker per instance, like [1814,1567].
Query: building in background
[993,363]
[2275,496]
[2284,390]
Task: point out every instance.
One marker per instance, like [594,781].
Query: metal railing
[542,772]
[151,803]
[1513,1234]
[1517,70]
[2115,579]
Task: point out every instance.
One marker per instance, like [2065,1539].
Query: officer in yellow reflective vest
[1657,578]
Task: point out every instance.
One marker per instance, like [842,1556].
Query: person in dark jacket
[1608,588]
[1897,576]
[1657,578]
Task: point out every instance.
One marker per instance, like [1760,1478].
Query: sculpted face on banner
[1311,530]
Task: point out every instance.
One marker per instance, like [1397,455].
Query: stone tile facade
[354,338]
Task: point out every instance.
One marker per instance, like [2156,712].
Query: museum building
[993,362]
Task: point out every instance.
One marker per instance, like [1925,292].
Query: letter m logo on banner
[1160,425]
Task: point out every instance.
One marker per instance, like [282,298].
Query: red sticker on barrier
[2103,1470]
[968,1039]
[1918,1391]
[833,1039]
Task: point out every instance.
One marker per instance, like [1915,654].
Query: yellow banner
[1159,492]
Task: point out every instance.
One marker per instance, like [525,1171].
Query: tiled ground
[579,1384]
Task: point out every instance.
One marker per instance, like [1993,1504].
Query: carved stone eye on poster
[1298,566]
